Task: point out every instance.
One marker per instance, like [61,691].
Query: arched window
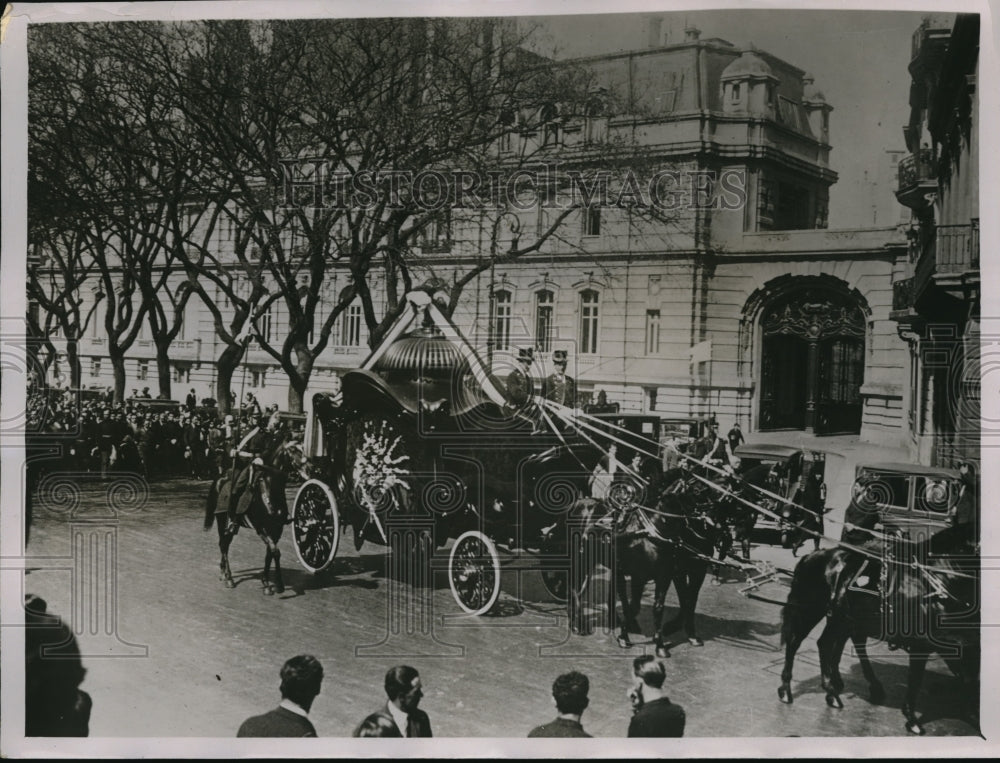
[589,325]
[502,303]
[544,306]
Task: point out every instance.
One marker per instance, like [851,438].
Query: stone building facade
[743,305]
[937,288]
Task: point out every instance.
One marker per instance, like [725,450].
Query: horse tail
[210,503]
[808,596]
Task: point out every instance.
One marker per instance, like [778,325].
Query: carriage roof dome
[424,350]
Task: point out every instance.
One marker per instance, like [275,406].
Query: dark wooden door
[841,373]
[783,382]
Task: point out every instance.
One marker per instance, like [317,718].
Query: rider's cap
[560,356]
[526,354]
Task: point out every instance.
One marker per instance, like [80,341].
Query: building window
[142,373]
[436,233]
[736,92]
[550,125]
[651,399]
[502,303]
[264,325]
[258,377]
[544,304]
[652,332]
[508,127]
[95,367]
[182,374]
[770,95]
[912,414]
[589,304]
[592,221]
[350,326]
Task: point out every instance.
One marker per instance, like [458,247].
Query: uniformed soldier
[520,386]
[558,387]
[253,450]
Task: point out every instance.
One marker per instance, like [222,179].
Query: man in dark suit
[569,692]
[191,401]
[520,387]
[403,687]
[300,682]
[557,386]
[653,713]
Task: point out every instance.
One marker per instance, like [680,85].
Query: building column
[812,382]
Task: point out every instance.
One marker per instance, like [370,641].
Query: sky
[858,58]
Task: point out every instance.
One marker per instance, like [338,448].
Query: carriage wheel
[315,525]
[474,572]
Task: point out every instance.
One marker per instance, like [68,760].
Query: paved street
[200,658]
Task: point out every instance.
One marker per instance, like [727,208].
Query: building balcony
[950,261]
[917,179]
[902,296]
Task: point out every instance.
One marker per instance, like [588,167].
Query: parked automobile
[794,466]
[912,500]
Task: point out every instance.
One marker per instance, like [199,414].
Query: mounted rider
[254,451]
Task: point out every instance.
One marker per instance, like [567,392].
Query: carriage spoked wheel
[474,572]
[315,525]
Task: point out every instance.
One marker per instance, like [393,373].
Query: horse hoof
[268,591]
[695,641]
[716,581]
[915,728]
[230,584]
[624,643]
[279,589]
[834,701]
[785,694]
[662,652]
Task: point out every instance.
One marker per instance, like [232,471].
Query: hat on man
[560,357]
[526,355]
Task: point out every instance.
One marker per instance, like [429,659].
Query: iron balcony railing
[915,168]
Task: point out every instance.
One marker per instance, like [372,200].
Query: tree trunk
[299,381]
[73,361]
[229,361]
[163,369]
[118,366]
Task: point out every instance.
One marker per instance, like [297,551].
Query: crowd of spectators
[154,438]
[652,713]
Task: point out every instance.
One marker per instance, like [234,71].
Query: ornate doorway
[812,361]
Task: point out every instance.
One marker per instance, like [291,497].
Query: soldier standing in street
[557,386]
[520,387]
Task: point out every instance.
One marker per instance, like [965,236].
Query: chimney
[655,31]
[691,33]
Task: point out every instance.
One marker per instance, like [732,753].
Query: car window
[933,495]
[885,491]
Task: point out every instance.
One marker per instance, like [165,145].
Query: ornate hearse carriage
[422,436]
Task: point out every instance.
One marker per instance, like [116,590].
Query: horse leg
[689,601]
[272,553]
[225,539]
[875,688]
[831,648]
[918,662]
[796,623]
[622,592]
[662,584]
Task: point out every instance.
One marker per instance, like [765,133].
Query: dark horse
[670,543]
[267,513]
[927,607]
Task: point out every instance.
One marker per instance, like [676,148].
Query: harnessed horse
[924,606]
